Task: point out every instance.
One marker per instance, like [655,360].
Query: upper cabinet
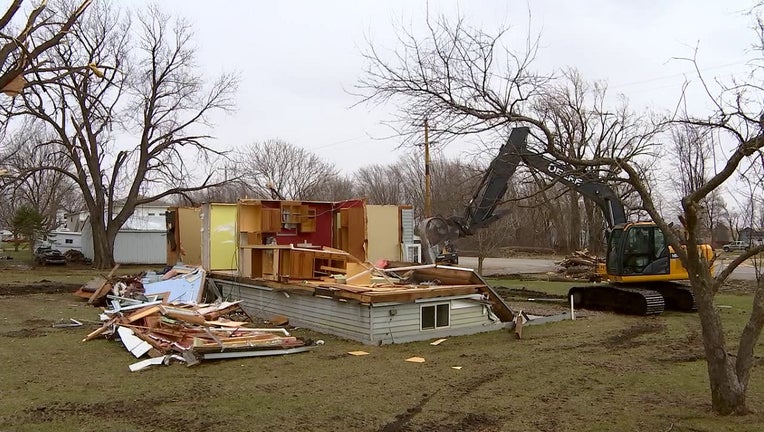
[257,219]
[254,218]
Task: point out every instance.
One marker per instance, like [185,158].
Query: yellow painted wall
[383,232]
[222,226]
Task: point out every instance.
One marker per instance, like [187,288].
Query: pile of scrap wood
[178,284]
[579,264]
[164,321]
[76,257]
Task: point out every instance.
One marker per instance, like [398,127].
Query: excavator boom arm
[481,210]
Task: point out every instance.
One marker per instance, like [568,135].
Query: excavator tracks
[629,301]
[677,297]
[634,301]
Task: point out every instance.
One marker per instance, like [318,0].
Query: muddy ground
[647,373]
[41,287]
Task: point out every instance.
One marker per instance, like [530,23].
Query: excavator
[643,274]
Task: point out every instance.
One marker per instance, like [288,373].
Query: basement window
[68,241]
[434,316]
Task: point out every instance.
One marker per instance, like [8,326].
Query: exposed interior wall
[190,235]
[221,226]
[217,234]
[341,225]
[296,222]
[384,232]
[350,228]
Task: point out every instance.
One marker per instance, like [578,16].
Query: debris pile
[76,257]
[581,265]
[149,323]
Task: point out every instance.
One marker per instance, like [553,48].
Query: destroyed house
[319,264]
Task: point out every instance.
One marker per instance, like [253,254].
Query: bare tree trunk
[480,253]
[103,245]
[574,222]
[727,392]
[594,228]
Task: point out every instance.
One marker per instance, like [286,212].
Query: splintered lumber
[333,269]
[358,274]
[369,267]
[344,287]
[190,316]
[95,333]
[403,294]
[226,323]
[252,342]
[161,329]
[96,288]
[91,287]
[100,293]
[143,313]
[214,311]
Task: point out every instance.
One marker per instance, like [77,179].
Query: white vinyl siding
[371,324]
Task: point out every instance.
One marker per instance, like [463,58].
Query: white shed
[142,239]
[65,240]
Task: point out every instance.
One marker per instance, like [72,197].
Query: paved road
[496,266]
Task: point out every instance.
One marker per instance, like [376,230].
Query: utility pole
[427,181]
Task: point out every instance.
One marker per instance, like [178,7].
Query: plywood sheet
[190,226]
[384,232]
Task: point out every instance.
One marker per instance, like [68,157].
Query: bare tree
[452,182]
[336,189]
[584,127]
[692,149]
[379,184]
[152,91]
[493,238]
[228,187]
[48,192]
[462,77]
[23,47]
[293,171]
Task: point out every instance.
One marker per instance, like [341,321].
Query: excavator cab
[637,250]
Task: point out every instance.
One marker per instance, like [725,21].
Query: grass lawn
[603,372]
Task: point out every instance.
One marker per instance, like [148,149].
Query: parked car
[736,246]
[48,255]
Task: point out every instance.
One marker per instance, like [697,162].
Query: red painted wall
[325,219]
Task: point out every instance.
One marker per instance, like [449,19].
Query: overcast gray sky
[297,59]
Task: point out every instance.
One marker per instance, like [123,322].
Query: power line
[676,75]
[338,142]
